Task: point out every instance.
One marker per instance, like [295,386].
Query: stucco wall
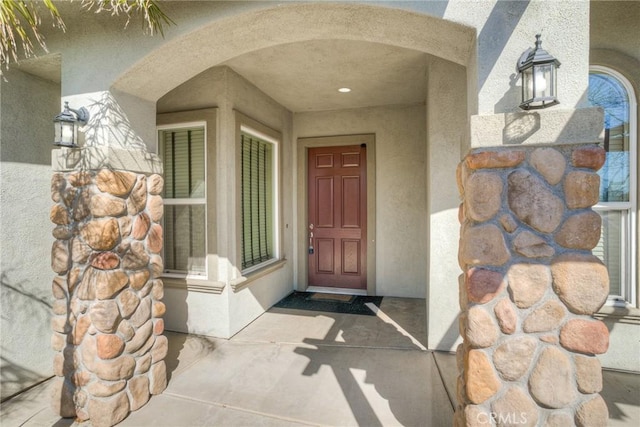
[25,242]
[225,314]
[446,127]
[505,29]
[401,222]
[610,22]
[207,35]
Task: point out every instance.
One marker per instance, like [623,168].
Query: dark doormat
[331,303]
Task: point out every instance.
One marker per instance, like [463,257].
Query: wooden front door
[337,227]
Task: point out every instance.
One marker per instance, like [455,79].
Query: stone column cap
[539,127]
[95,158]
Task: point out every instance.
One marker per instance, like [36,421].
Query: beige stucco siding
[487,36]
[25,241]
[610,24]
[446,127]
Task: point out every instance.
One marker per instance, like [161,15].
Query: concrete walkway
[303,368]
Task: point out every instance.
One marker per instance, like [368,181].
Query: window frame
[627,209]
[188,274]
[253,128]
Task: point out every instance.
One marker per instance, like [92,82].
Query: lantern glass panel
[554,81]
[57,137]
[543,80]
[65,133]
[527,84]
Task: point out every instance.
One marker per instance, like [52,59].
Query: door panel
[350,160]
[325,256]
[350,256]
[324,161]
[350,202]
[337,216]
[325,202]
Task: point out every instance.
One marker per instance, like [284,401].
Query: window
[258,199]
[618,179]
[182,149]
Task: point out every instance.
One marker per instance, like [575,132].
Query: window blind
[609,248]
[256,200]
[183,155]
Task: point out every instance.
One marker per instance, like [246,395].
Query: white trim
[185,201]
[258,134]
[629,247]
[613,206]
[260,266]
[182,125]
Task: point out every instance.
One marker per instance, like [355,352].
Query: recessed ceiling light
[344,90]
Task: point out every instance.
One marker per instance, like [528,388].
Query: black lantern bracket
[66,125]
[81,115]
[539,83]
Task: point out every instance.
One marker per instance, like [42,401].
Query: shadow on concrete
[385,374]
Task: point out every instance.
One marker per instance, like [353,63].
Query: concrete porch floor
[294,367]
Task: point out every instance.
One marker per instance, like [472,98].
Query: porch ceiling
[305,76]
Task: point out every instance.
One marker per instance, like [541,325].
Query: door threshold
[341,291]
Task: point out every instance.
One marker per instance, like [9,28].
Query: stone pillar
[107,313]
[530,287]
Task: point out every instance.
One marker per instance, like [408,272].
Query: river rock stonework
[530,287]
[107,318]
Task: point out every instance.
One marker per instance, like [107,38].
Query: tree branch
[20,22]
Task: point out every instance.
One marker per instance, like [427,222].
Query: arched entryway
[229,37]
[418,136]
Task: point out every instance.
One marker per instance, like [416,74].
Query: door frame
[302,204]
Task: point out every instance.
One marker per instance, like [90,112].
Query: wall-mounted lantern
[66,126]
[538,70]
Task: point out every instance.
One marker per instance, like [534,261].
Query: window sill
[196,285]
[244,281]
[629,314]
